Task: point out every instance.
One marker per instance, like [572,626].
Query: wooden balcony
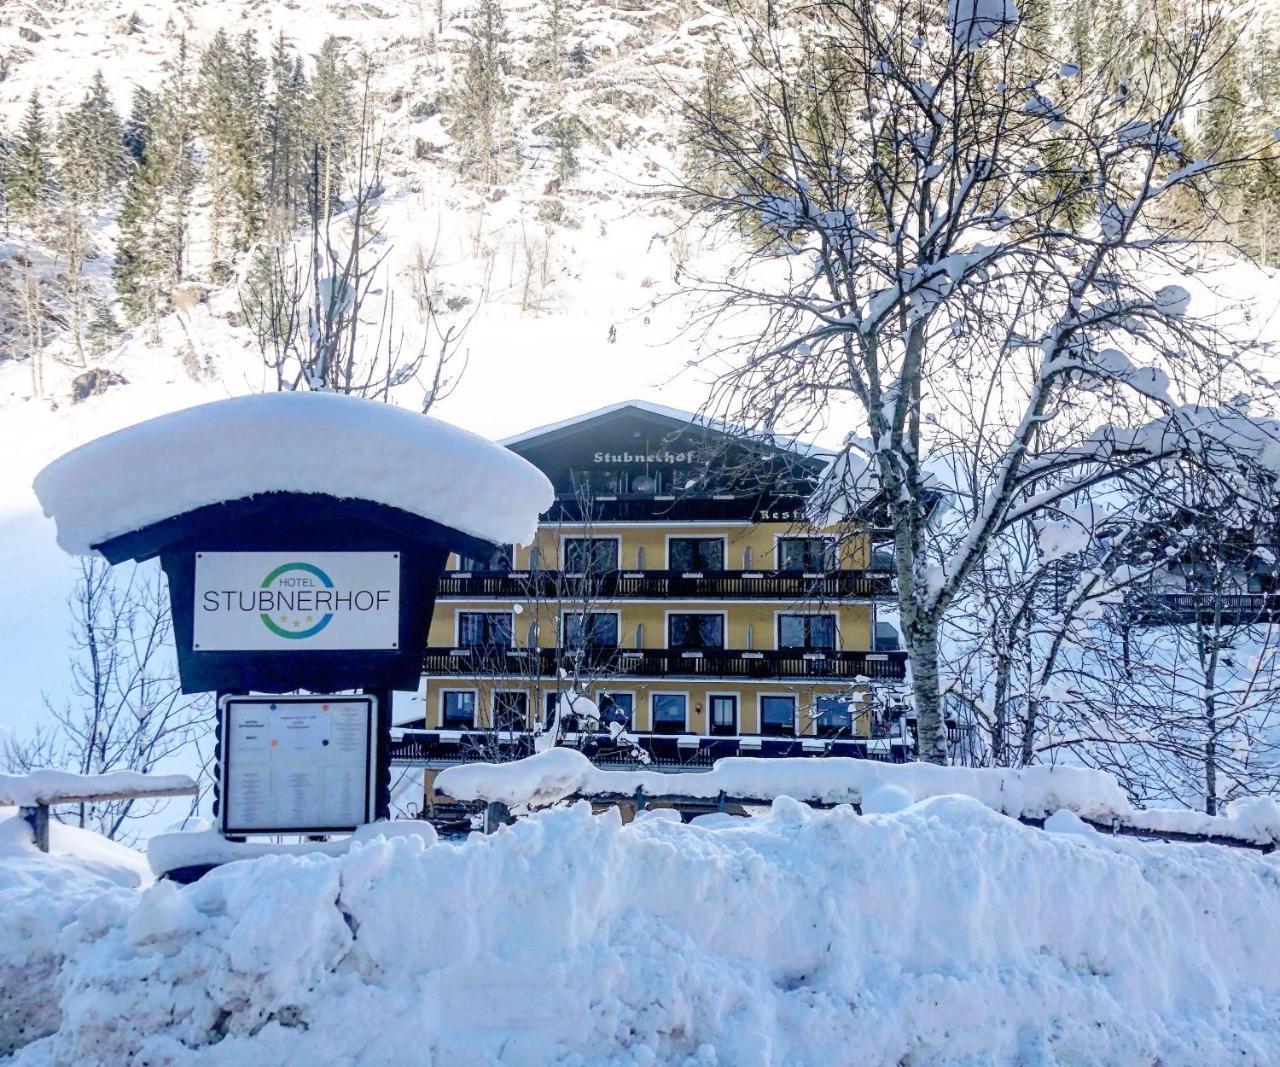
[789,586]
[667,663]
[442,748]
[1233,609]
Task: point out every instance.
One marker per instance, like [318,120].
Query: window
[695,554]
[806,554]
[724,714]
[484,629]
[882,557]
[778,715]
[669,712]
[835,717]
[510,710]
[592,629]
[459,709]
[692,632]
[810,632]
[499,560]
[886,637]
[590,555]
[617,707]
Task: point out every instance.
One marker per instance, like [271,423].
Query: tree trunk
[930,732]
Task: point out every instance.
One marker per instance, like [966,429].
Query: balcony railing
[1232,608]
[666,752]
[664,585]
[662,662]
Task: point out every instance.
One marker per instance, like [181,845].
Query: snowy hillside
[942,933]
[567,282]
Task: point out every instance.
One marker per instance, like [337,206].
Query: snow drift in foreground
[39,896]
[942,933]
[291,442]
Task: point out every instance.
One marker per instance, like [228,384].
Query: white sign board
[297,764]
[296,601]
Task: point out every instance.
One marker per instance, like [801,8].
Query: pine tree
[330,127]
[90,149]
[30,179]
[482,102]
[102,328]
[231,92]
[154,215]
[286,138]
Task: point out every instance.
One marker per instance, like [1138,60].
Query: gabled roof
[675,419]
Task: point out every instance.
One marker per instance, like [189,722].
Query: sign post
[302,536]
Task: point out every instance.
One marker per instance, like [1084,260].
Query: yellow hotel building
[687,598]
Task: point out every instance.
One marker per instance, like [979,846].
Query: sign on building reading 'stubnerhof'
[294,601]
[300,764]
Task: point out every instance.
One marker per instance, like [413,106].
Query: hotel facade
[676,583]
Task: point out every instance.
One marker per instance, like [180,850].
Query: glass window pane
[696,554]
[695,631]
[617,707]
[822,631]
[510,710]
[668,709]
[598,629]
[777,714]
[835,713]
[590,554]
[791,631]
[459,709]
[484,629]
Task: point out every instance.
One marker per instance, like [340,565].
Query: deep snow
[942,933]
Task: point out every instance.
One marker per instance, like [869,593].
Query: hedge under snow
[1030,792]
[300,442]
[940,934]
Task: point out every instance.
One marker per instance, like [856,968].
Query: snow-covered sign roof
[676,415]
[303,442]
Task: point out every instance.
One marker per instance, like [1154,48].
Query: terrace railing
[663,662]
[663,585]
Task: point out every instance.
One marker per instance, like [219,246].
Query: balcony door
[723,710]
[695,631]
[695,554]
[807,633]
[809,554]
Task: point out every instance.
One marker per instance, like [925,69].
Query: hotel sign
[296,601]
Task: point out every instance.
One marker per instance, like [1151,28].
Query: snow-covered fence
[35,793]
[1030,794]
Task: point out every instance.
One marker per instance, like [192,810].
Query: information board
[297,764]
[296,601]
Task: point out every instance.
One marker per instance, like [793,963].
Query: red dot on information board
[274,743]
[324,707]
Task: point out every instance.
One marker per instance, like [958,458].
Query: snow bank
[40,895]
[940,934]
[53,787]
[291,442]
[168,852]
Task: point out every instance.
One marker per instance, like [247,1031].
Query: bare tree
[126,709]
[952,241]
[307,307]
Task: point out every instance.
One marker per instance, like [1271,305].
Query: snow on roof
[782,441]
[300,442]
